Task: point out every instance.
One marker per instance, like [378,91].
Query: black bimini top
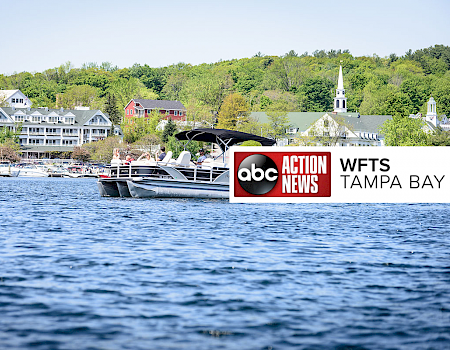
[223,137]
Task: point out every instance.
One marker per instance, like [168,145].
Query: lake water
[78,271]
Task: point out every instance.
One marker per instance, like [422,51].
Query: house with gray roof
[142,108]
[44,130]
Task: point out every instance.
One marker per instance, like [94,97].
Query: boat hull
[108,188]
[168,188]
[122,186]
[31,173]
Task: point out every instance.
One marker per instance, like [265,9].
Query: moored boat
[8,170]
[31,170]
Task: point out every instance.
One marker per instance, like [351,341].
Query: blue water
[78,271]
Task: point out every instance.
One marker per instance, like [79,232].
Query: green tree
[177,146]
[317,93]
[102,151]
[112,109]
[404,131]
[134,128]
[440,138]
[234,112]
[79,95]
[278,119]
[169,130]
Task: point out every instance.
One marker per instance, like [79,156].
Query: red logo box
[300,174]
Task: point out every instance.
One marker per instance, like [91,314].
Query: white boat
[31,170]
[178,178]
[8,170]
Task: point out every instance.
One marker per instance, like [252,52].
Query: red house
[142,108]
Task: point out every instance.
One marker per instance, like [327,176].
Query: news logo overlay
[282,174]
[339,174]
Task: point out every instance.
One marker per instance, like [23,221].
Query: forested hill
[392,85]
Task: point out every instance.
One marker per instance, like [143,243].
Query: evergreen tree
[169,130]
[111,109]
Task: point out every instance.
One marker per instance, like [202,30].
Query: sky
[43,34]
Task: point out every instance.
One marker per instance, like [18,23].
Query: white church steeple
[431,112]
[340,101]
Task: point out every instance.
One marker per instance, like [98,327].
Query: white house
[14,98]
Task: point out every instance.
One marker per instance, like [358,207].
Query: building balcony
[68,134]
[105,124]
[53,133]
[40,133]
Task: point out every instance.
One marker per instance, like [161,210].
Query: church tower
[431,112]
[340,101]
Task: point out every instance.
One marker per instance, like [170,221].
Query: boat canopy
[224,138]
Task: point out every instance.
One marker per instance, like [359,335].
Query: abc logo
[257,174]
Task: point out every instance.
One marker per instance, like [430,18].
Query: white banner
[357,175]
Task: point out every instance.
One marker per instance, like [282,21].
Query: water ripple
[78,271]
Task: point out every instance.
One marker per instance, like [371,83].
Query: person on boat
[162,154]
[116,153]
[147,157]
[128,159]
[201,158]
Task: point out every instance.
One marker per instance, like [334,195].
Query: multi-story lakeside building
[45,130]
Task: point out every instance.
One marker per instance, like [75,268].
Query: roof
[81,116]
[230,137]
[8,93]
[303,120]
[160,104]
[366,123]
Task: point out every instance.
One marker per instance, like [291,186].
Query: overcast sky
[42,34]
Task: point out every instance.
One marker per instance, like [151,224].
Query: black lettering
[427,182]
[348,164]
[373,160]
[361,164]
[439,181]
[374,182]
[396,182]
[345,179]
[411,181]
[385,162]
[356,182]
[384,181]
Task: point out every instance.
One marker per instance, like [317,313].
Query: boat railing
[194,173]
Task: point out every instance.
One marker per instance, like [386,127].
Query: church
[337,128]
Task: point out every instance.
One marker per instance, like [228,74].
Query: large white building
[45,130]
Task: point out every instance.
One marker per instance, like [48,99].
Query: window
[337,103]
[326,123]
[343,104]
[21,100]
[175,113]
